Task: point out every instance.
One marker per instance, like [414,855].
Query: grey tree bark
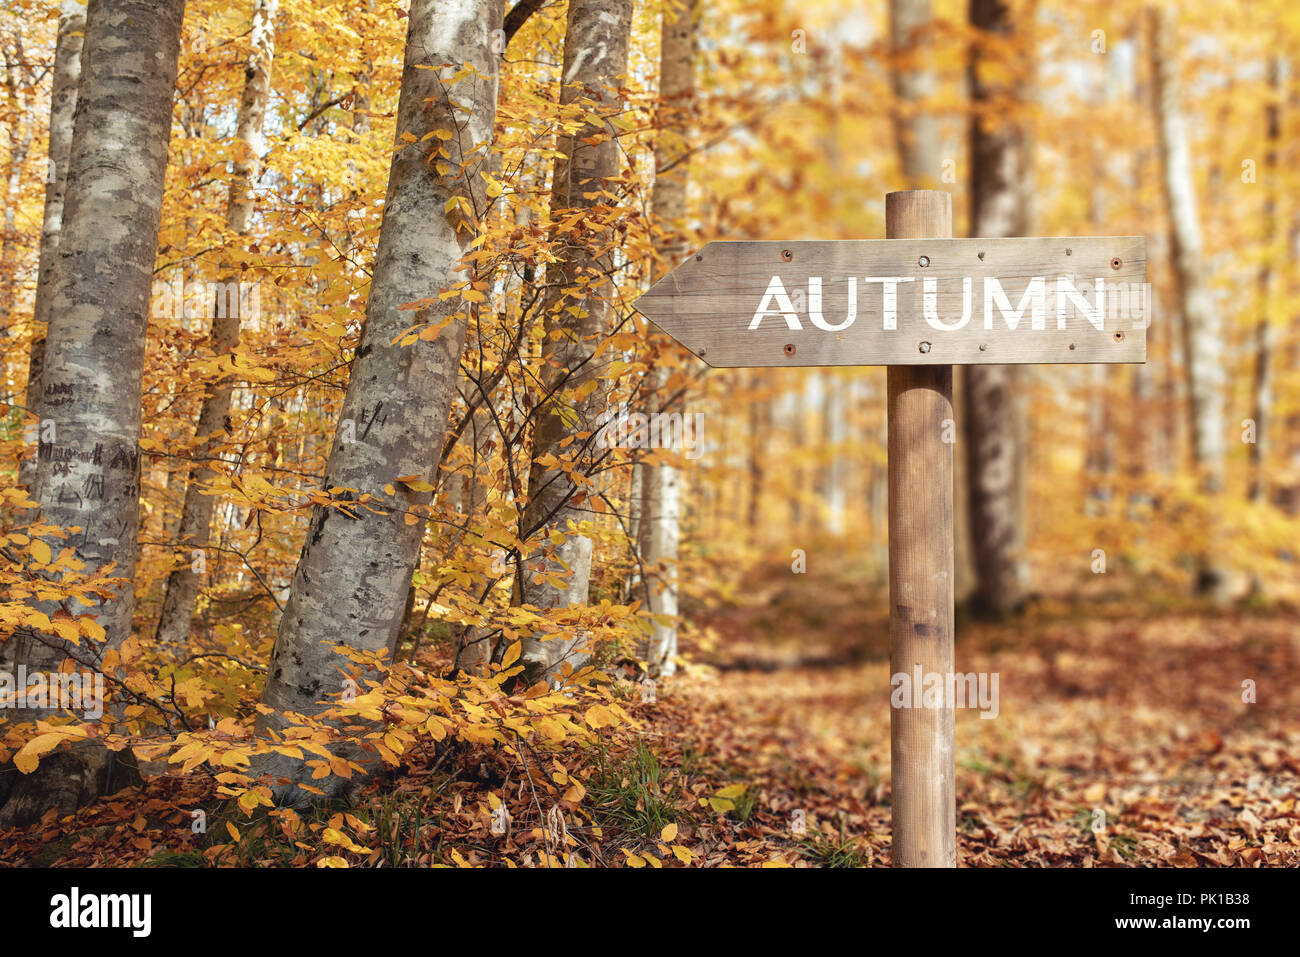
[196,513]
[1100,457]
[1201,325]
[355,569]
[63,104]
[993,402]
[1262,381]
[19,79]
[89,476]
[659,531]
[595,61]
[916,130]
[834,477]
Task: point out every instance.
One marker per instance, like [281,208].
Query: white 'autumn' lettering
[777,301]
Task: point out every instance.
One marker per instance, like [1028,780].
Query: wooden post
[921,572]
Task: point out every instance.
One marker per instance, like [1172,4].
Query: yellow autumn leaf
[551,728]
[575,793]
[512,654]
[598,716]
[669,833]
[29,756]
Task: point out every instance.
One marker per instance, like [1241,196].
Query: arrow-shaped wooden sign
[908,302]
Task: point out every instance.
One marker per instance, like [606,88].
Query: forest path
[1130,725]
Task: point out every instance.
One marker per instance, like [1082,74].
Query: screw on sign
[918,302]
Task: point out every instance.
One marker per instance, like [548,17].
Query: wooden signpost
[918,302]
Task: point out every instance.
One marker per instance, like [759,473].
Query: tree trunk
[355,569]
[19,82]
[834,413]
[760,422]
[1201,323]
[63,104]
[1262,381]
[916,129]
[1099,457]
[196,514]
[595,61]
[660,512]
[89,476]
[994,403]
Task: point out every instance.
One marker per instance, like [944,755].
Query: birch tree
[915,127]
[578,308]
[1262,379]
[196,514]
[19,80]
[354,572]
[661,483]
[63,104]
[993,407]
[88,476]
[1201,326]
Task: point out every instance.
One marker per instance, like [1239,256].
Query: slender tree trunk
[18,84]
[1262,381]
[661,485]
[477,642]
[916,128]
[196,514]
[1138,447]
[1286,494]
[89,475]
[878,491]
[1202,339]
[595,61]
[354,573]
[63,104]
[994,403]
[759,439]
[1099,462]
[797,415]
[834,410]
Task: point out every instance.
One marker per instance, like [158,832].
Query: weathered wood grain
[709,301]
[921,575]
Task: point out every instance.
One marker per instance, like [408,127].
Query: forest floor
[1121,739]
